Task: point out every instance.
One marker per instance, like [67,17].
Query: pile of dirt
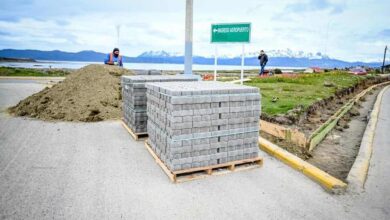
[90,94]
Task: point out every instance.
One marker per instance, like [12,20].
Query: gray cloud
[49,9]
[12,3]
[3,33]
[62,22]
[73,25]
[385,33]
[374,35]
[255,9]
[315,5]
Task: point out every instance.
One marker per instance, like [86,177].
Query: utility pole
[188,40]
[118,32]
[384,59]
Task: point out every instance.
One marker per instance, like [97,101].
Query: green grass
[11,71]
[303,90]
[227,78]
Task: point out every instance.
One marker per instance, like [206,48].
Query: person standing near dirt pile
[114,58]
[263,58]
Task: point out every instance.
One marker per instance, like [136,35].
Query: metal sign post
[215,62]
[118,32]
[231,33]
[242,63]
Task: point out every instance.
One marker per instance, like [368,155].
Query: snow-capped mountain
[287,53]
[286,57]
[160,53]
[291,54]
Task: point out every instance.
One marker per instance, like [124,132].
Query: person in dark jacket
[263,58]
[114,58]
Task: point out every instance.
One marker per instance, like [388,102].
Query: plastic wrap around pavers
[198,124]
[134,98]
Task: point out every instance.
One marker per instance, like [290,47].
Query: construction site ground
[337,152]
[75,170]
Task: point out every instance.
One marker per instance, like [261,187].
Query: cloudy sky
[344,29]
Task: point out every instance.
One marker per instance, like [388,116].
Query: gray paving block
[195,124]
[134,95]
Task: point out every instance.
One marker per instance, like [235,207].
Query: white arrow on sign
[215,30]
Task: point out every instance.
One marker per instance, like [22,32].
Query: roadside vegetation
[282,93]
[227,78]
[11,71]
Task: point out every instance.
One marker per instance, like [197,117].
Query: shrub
[278,71]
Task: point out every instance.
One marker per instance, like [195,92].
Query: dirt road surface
[96,171]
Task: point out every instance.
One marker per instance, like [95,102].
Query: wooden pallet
[136,136]
[203,172]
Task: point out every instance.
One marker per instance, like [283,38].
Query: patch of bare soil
[321,111]
[307,121]
[337,152]
[90,94]
[290,147]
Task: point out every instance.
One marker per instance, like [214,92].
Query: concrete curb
[358,174]
[328,182]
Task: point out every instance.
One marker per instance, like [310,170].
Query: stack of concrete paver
[198,124]
[134,98]
[147,72]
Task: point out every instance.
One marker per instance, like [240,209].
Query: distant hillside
[54,55]
[280,58]
[20,60]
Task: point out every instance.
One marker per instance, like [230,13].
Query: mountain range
[272,53]
[279,58]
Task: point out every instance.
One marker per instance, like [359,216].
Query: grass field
[300,89]
[11,71]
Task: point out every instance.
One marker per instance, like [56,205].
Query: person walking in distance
[263,58]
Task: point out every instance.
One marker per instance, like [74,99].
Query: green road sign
[231,33]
